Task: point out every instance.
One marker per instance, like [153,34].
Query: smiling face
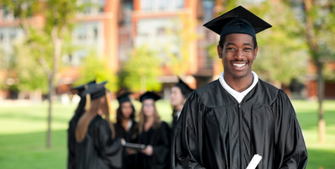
[238,54]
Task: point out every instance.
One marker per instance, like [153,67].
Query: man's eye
[230,48]
[247,49]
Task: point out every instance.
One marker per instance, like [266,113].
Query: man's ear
[219,50]
[255,52]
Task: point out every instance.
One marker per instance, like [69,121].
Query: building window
[162,5]
[95,33]
[6,14]
[1,37]
[12,34]
[101,4]
[93,6]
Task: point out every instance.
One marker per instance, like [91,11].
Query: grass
[23,134]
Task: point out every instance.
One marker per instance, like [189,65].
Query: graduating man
[226,122]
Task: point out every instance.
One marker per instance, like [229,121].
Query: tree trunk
[322,123]
[51,76]
[50,95]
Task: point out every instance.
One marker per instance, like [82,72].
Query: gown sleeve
[161,151]
[187,143]
[110,150]
[290,146]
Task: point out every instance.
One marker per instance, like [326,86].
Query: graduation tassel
[88,102]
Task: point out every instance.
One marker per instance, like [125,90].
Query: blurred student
[71,141]
[153,133]
[96,146]
[127,128]
[179,94]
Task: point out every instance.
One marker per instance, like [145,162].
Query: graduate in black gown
[153,133]
[126,127]
[96,146]
[226,122]
[71,141]
[179,94]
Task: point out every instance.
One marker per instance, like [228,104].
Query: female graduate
[153,133]
[127,128]
[179,94]
[95,146]
[71,140]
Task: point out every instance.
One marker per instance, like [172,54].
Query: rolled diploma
[254,161]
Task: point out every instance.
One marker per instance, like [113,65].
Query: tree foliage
[141,70]
[282,52]
[31,77]
[46,25]
[93,67]
[177,62]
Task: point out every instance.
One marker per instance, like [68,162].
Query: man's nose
[239,54]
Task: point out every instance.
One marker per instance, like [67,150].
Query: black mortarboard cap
[96,91]
[149,95]
[237,20]
[185,89]
[80,89]
[123,98]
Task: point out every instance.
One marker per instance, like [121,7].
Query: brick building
[114,27]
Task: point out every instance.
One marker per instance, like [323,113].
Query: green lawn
[23,136]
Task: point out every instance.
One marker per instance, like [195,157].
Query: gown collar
[237,95]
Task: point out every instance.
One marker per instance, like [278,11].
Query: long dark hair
[119,114]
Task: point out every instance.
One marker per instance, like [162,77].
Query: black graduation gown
[128,161]
[159,139]
[71,140]
[174,123]
[215,131]
[98,150]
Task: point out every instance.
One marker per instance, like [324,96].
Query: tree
[178,62]
[282,55]
[141,70]
[46,25]
[93,67]
[31,78]
[319,33]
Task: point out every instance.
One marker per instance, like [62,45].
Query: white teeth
[239,65]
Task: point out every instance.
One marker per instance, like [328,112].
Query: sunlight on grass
[23,134]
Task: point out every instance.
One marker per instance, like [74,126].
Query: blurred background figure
[80,110]
[127,128]
[96,147]
[179,94]
[154,133]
